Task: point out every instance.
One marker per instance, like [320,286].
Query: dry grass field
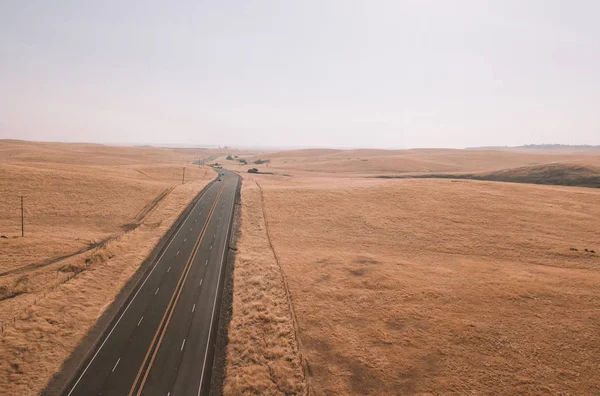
[340,163]
[426,286]
[75,196]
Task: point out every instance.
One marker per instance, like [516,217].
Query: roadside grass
[262,352]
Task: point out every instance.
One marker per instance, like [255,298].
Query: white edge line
[194,308]
[130,302]
[142,318]
[182,345]
[216,295]
[116,364]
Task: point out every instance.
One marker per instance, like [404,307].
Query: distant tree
[252,170]
[259,161]
[243,162]
[235,156]
[229,157]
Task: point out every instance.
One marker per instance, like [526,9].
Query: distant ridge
[585,147]
[562,174]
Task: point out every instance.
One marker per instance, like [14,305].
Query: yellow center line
[160,332]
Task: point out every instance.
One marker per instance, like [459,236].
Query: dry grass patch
[262,353]
[438,286]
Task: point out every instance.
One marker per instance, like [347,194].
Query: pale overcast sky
[322,73]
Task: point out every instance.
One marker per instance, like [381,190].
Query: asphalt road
[162,344]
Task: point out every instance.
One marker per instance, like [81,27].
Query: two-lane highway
[161,343]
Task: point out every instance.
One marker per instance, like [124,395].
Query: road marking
[190,228]
[142,318]
[194,307]
[210,247]
[156,291]
[183,344]
[116,364]
[200,282]
[206,262]
[130,302]
[184,239]
[169,269]
[177,253]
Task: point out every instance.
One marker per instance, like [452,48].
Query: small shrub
[252,170]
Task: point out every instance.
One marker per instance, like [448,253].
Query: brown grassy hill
[94,154]
[559,174]
[564,174]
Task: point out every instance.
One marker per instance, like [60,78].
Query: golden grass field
[422,286]
[337,163]
[77,194]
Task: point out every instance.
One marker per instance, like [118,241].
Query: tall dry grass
[262,351]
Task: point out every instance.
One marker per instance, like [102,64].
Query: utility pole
[22,222]
[183,177]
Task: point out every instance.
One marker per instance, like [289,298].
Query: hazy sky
[390,74]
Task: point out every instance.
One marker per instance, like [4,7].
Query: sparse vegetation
[243,161]
[229,157]
[253,170]
[259,161]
